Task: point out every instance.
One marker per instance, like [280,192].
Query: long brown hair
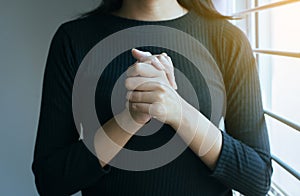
[201,7]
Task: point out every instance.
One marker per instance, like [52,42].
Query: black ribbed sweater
[63,164]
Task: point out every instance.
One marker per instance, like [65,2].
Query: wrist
[127,123]
[179,116]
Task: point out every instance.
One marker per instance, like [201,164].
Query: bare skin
[157,97]
[151,10]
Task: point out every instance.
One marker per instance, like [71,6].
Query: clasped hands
[152,89]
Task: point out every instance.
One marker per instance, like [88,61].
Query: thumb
[138,54]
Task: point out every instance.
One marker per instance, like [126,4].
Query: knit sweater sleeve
[244,163]
[62,163]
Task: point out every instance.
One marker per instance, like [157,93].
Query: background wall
[26,28]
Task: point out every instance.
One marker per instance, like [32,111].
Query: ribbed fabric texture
[62,163]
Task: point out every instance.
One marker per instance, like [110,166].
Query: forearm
[206,138]
[233,162]
[113,136]
[66,170]
[242,168]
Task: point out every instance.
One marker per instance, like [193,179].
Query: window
[273,29]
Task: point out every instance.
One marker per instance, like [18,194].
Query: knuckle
[170,60]
[154,59]
[131,96]
[158,110]
[160,57]
[129,70]
[134,106]
[135,96]
[169,65]
[137,68]
[160,97]
[161,87]
[167,61]
[148,53]
[129,84]
[128,95]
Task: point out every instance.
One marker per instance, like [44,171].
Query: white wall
[26,28]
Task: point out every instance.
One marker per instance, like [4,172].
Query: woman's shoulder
[81,34]
[219,33]
[226,42]
[231,37]
[84,25]
[234,35]
[75,38]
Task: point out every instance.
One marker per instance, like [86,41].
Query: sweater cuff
[220,170]
[93,163]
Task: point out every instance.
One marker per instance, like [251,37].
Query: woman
[215,161]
